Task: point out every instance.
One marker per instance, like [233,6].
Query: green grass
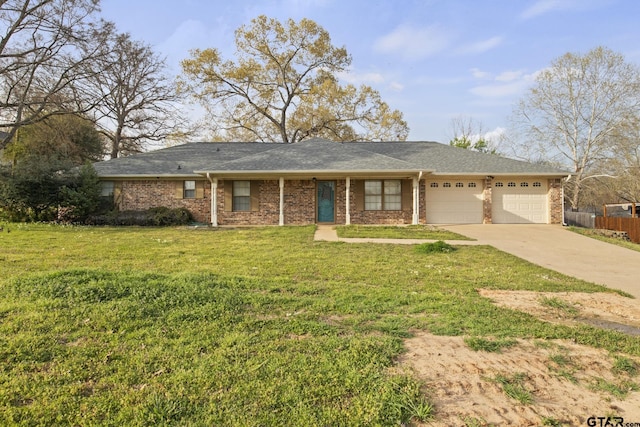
[589,232]
[256,326]
[489,345]
[619,389]
[425,232]
[514,387]
[624,365]
[434,247]
[563,366]
[559,305]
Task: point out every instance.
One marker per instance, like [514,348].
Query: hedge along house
[319,181]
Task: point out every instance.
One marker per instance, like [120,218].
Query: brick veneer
[555,201]
[145,194]
[299,203]
[487,215]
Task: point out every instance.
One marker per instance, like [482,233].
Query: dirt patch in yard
[533,382]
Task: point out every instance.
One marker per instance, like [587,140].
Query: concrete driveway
[556,248]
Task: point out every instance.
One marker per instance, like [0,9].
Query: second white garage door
[519,201]
[454,201]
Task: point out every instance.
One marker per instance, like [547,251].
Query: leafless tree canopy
[575,110]
[44,46]
[137,98]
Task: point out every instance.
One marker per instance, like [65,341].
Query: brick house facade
[366,183]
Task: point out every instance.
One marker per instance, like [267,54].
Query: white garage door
[519,201]
[454,201]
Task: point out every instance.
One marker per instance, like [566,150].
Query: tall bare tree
[282,87]
[44,45]
[574,110]
[138,99]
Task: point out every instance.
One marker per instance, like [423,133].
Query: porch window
[241,196]
[383,195]
[189,190]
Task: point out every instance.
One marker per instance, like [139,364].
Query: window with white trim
[383,195]
[189,190]
[241,196]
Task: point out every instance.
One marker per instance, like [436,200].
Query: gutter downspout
[214,200]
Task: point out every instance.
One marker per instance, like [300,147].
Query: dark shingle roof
[314,156]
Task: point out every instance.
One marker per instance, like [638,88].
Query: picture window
[383,195]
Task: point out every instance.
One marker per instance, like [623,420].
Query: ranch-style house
[320,181]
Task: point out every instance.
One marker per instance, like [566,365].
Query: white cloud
[480,47]
[508,76]
[360,78]
[396,86]
[508,83]
[495,135]
[479,74]
[414,43]
[541,7]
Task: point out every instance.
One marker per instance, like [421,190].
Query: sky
[434,60]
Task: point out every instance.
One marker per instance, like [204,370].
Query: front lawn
[425,232]
[258,326]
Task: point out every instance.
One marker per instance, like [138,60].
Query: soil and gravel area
[533,382]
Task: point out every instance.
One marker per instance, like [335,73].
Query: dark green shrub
[434,247]
[159,216]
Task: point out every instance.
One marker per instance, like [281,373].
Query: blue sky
[434,60]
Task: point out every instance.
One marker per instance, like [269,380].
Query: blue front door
[326,202]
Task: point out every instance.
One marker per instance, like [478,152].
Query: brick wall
[555,201]
[145,194]
[299,203]
[487,207]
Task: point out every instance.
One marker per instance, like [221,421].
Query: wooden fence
[581,219]
[630,225]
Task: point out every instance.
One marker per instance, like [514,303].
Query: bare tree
[574,110]
[44,45]
[138,100]
[469,134]
[282,88]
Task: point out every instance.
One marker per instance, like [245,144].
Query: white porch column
[347,214]
[214,202]
[416,201]
[281,221]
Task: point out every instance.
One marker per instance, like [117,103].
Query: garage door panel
[453,204]
[525,202]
